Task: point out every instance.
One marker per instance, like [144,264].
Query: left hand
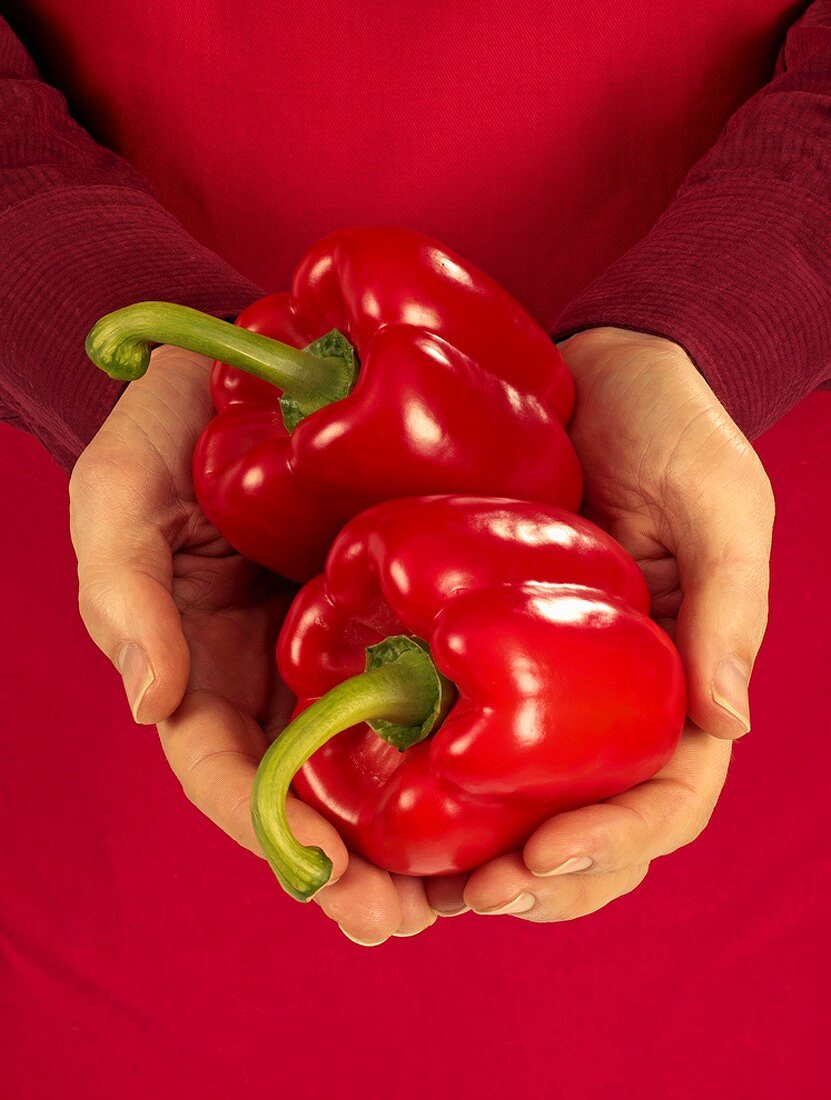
[190,625]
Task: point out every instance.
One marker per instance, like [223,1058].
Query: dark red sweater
[738,269]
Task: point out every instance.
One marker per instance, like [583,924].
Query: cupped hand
[672,478]
[191,626]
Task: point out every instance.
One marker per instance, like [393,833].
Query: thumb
[724,576]
[125,573]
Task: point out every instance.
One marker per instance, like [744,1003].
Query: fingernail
[576,863]
[729,691]
[452,912]
[519,904]
[361,943]
[137,674]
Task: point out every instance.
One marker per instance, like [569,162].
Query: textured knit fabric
[738,270]
[80,234]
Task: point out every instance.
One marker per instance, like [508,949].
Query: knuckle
[411,928]
[101,595]
[91,475]
[190,789]
[593,894]
[207,784]
[757,485]
[554,911]
[596,832]
[87,605]
[102,495]
[559,904]
[694,809]
[617,886]
[108,472]
[702,819]
[767,499]
[94,603]
[637,874]
[192,778]
[198,782]
[682,811]
[79,488]
[561,915]
[601,834]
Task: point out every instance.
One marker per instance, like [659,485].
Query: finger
[416,914]
[446,894]
[650,820]
[364,902]
[723,564]
[506,887]
[214,749]
[125,578]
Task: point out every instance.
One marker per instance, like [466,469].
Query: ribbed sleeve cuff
[738,273]
[68,257]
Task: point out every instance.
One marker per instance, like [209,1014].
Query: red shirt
[542,142]
[142,953]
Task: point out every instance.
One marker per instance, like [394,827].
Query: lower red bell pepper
[419,374]
[512,672]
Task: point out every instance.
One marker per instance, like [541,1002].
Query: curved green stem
[120,344]
[407,692]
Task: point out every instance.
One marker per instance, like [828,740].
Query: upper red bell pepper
[428,378]
[512,661]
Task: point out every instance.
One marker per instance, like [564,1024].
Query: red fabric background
[539,140]
[143,954]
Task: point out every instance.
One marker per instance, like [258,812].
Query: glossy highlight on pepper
[564,691]
[417,374]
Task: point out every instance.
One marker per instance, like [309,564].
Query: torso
[539,140]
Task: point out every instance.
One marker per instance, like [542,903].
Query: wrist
[594,351]
[604,338]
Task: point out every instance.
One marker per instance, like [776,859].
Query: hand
[191,626]
[672,478]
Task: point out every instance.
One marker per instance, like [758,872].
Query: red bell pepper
[512,672]
[419,375]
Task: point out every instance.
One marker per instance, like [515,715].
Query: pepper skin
[458,390]
[565,691]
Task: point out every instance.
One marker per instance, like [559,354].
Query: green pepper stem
[120,345]
[404,691]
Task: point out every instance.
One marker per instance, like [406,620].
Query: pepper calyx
[334,346]
[390,650]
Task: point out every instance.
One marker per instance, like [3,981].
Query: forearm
[80,235]
[738,269]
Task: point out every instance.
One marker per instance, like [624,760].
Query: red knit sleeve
[80,234]
[738,269]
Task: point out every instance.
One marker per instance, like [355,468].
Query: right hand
[672,478]
[191,626]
